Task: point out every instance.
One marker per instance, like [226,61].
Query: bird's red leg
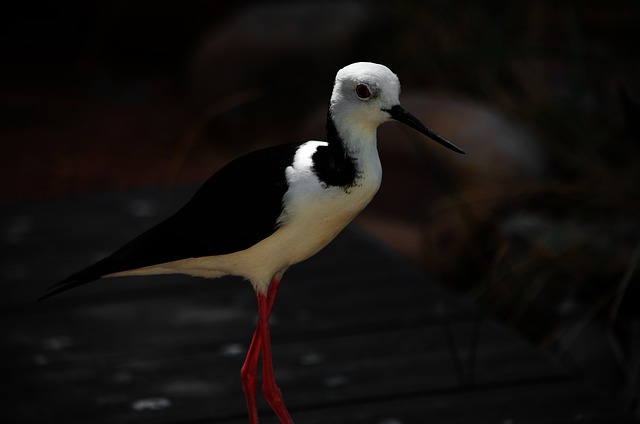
[249,376]
[249,372]
[270,389]
[271,293]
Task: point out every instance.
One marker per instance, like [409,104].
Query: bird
[270,209]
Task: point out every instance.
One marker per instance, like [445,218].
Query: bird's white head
[367,94]
[361,94]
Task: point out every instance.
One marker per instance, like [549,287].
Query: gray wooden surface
[359,336]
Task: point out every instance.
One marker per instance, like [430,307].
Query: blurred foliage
[557,257]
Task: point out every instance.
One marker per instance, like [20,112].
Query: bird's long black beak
[401,115]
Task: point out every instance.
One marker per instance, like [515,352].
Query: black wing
[235,209]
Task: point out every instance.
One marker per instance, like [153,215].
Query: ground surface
[359,336]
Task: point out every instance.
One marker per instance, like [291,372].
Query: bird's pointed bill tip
[401,115]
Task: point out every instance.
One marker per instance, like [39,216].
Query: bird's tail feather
[139,252]
[87,275]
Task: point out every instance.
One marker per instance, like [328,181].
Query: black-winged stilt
[273,208]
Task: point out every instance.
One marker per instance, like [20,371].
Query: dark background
[539,221]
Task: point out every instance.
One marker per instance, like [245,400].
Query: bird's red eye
[362,91]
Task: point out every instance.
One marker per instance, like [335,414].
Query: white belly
[311,223]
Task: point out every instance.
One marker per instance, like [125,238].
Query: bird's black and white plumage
[277,206]
[272,208]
